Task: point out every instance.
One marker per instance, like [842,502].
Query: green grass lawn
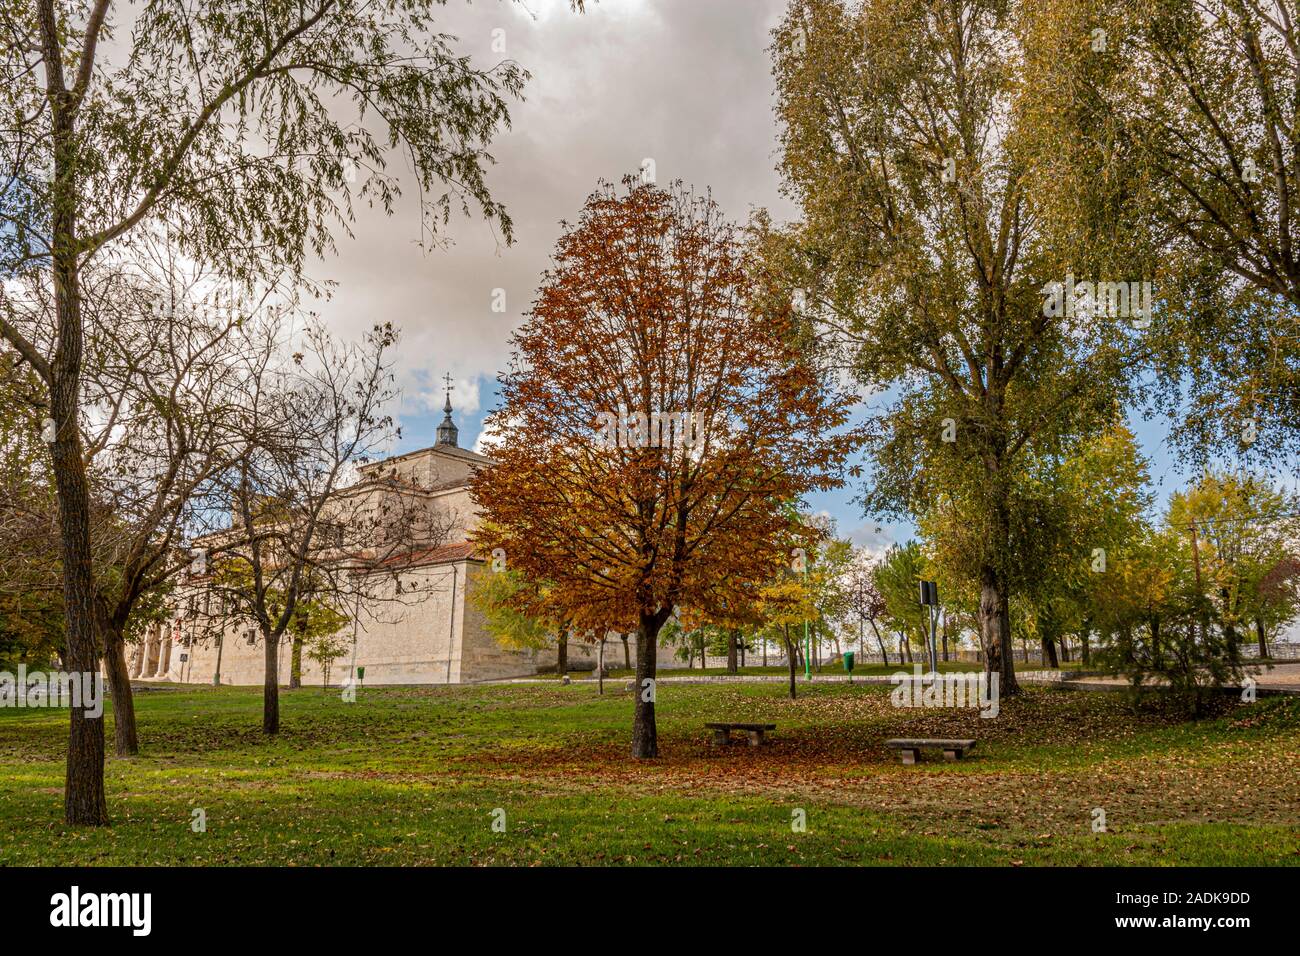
[414,775]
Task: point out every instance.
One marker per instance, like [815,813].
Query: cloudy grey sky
[684,83]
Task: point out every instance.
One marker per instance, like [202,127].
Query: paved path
[1283,677]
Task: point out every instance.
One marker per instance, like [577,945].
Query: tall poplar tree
[911,143]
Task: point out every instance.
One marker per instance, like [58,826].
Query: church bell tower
[447,431]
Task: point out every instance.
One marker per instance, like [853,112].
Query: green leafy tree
[325,649]
[898,578]
[1168,124]
[1242,528]
[501,594]
[911,143]
[314,626]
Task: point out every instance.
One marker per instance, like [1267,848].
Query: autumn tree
[909,143]
[785,603]
[313,628]
[244,125]
[1167,123]
[864,600]
[1275,599]
[824,577]
[653,423]
[1242,528]
[1207,101]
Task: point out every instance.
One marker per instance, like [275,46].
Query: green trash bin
[848,663]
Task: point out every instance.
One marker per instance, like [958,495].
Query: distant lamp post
[807,641]
[930,601]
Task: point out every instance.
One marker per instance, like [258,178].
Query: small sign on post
[930,601]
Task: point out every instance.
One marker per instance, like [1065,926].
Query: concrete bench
[910,749]
[722,733]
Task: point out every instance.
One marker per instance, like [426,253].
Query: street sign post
[930,601]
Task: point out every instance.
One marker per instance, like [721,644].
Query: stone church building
[429,633]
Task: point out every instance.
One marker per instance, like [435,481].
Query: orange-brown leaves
[654,421]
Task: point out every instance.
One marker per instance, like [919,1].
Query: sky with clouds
[685,84]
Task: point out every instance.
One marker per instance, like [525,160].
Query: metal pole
[1201,627]
[934,651]
[807,643]
[356,614]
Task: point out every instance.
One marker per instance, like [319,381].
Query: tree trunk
[600,667]
[295,664]
[731,650]
[790,656]
[764,651]
[83,801]
[1065,649]
[83,795]
[562,653]
[271,686]
[645,739]
[743,644]
[125,739]
[995,630]
[1263,640]
[1085,650]
[879,640]
[1049,651]
[627,659]
[944,636]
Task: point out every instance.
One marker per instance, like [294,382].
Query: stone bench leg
[909,756]
[952,755]
[721,738]
[755,738]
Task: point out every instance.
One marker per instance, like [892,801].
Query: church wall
[412,638]
[400,639]
[484,658]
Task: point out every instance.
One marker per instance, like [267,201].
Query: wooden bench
[910,749]
[722,733]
